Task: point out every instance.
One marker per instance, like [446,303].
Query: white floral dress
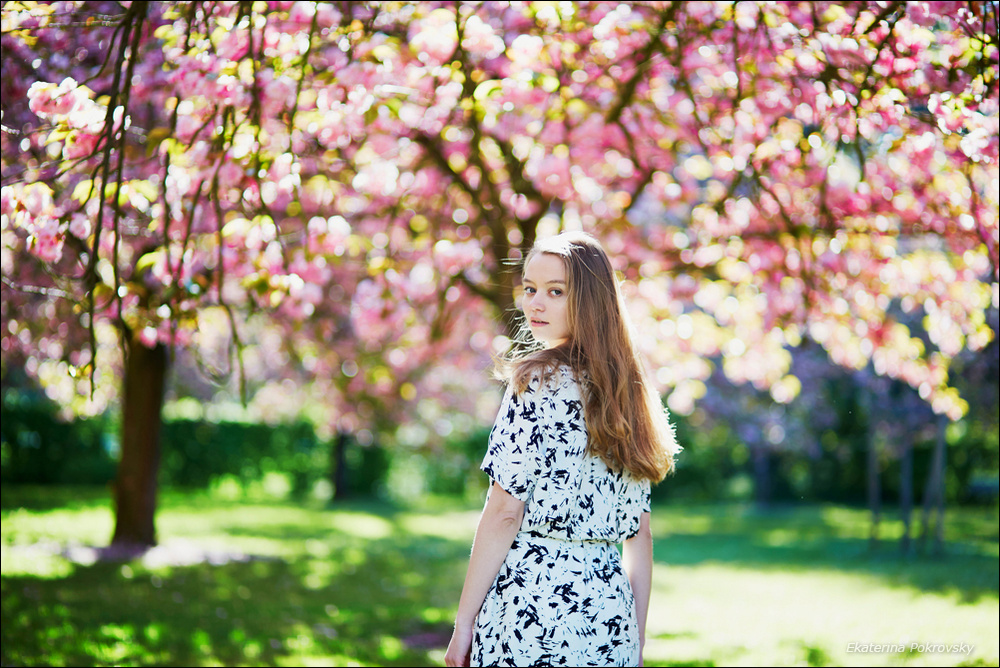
[561,597]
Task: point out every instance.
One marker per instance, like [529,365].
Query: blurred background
[257,258]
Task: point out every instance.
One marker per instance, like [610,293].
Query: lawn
[368,583]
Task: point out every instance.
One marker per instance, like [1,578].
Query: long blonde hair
[626,422]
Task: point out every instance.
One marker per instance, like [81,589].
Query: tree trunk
[762,476]
[934,492]
[136,486]
[338,467]
[940,458]
[906,495]
[874,491]
[872,474]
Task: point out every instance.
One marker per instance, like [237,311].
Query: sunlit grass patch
[795,585]
[742,616]
[87,525]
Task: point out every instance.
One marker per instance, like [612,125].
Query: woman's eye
[529,291]
[555,293]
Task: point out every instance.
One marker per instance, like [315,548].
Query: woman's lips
[537,323]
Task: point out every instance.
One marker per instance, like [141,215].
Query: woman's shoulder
[544,379]
[564,381]
[554,379]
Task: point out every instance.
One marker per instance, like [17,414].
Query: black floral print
[561,597]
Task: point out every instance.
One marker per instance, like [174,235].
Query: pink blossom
[433,38]
[37,198]
[367,307]
[327,14]
[479,39]
[230,175]
[8,200]
[80,145]
[976,142]
[187,125]
[451,258]
[278,94]
[48,100]
[79,226]
[90,117]
[524,52]
[234,43]
[48,237]
[148,336]
[380,177]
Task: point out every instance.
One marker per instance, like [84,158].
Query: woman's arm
[498,525]
[637,557]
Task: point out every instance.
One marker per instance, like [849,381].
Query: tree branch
[643,61]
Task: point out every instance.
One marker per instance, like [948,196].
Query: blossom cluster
[762,173]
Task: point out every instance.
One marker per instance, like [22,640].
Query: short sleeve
[512,456]
[644,506]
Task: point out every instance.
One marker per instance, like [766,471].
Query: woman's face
[545,301]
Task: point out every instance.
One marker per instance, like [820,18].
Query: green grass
[366,583]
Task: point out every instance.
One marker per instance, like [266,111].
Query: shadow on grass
[389,605]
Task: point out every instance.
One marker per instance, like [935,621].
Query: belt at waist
[558,543]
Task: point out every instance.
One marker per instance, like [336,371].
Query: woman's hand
[460,648]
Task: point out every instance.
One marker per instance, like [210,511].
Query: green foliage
[39,447]
[36,446]
[973,461]
[455,469]
[367,467]
[717,465]
[196,452]
[448,468]
[709,467]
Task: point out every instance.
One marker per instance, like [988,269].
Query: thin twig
[36,289]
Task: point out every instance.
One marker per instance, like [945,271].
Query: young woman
[580,436]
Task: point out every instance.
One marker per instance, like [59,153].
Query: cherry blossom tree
[361,172]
